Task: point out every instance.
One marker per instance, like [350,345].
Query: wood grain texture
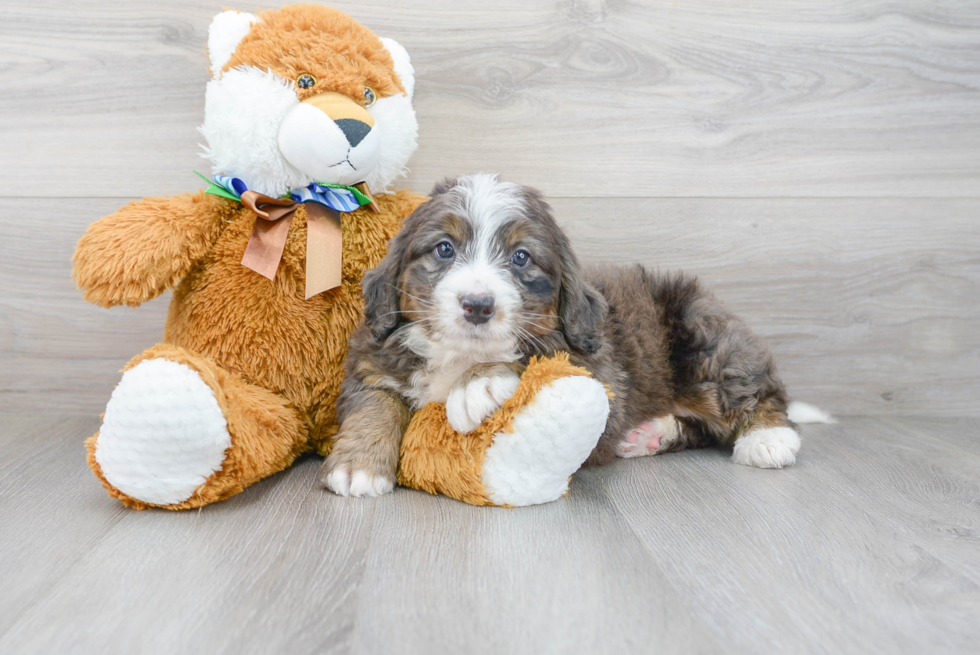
[815,162]
[582,98]
[91,576]
[870,304]
[869,544]
[875,508]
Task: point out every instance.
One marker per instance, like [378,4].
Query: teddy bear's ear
[227,30]
[403,64]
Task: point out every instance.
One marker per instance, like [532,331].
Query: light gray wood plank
[51,507]
[869,304]
[568,577]
[582,98]
[869,544]
[275,565]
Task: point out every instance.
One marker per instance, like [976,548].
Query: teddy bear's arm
[133,255]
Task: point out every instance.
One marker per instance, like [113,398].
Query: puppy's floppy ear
[581,308]
[380,288]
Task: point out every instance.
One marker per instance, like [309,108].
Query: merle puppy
[481,278]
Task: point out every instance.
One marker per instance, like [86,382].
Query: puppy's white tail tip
[806,413]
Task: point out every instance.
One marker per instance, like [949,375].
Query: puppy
[480,279]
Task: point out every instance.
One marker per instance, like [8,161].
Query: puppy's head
[483,268]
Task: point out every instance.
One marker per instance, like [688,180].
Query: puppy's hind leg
[759,432]
[727,382]
[649,437]
[767,439]
[662,434]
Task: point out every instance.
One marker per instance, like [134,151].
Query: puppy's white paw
[468,405]
[649,438]
[768,448]
[360,484]
[338,481]
[366,484]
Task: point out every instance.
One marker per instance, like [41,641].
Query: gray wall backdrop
[818,163]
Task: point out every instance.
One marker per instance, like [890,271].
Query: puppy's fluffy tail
[805,413]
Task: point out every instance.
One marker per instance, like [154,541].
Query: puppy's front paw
[473,401]
[344,479]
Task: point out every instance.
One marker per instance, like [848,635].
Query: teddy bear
[308,123]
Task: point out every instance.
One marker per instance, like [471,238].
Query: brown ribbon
[363,188]
[324,243]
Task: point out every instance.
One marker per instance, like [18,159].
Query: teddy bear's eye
[305,81]
[369,96]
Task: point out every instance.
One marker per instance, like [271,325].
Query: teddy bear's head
[306,94]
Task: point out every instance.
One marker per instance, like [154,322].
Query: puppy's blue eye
[445,250]
[521,258]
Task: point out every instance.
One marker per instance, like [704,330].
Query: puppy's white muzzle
[314,143]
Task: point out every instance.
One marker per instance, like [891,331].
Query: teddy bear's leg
[181,431]
[547,441]
[524,454]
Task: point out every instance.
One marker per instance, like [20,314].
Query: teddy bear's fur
[437,459]
[248,372]
[272,358]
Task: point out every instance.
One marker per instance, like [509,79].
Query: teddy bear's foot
[180,431]
[524,453]
[549,440]
[163,434]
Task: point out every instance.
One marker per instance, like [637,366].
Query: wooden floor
[817,163]
[871,544]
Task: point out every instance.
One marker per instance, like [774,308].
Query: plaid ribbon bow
[273,216]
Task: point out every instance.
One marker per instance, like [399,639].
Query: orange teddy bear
[308,121]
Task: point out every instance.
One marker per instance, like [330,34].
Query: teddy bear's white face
[259,130]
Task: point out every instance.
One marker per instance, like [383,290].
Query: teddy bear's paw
[468,405]
[552,436]
[163,434]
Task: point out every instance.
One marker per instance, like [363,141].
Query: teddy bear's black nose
[353,129]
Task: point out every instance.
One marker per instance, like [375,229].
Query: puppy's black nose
[477,309]
[353,129]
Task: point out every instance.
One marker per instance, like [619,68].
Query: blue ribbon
[343,200]
[335,196]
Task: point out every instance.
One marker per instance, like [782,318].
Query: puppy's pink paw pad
[649,438]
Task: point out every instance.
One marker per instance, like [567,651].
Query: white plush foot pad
[163,433]
[551,438]
[768,448]
[649,438]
